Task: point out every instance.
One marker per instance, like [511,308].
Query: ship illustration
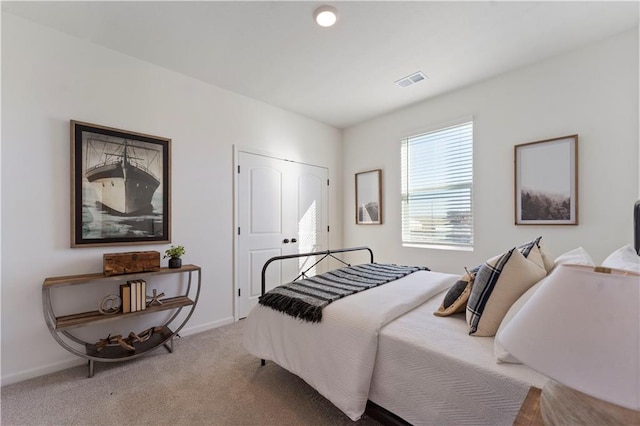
[123,180]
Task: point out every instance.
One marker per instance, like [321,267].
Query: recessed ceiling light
[325,16]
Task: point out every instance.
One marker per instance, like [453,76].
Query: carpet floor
[209,379]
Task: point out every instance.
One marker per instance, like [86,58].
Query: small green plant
[174,252]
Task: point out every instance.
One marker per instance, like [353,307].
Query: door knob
[293,240]
[286,241]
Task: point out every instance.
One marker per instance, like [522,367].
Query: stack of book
[134,296]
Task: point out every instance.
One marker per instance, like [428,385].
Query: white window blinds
[437,178]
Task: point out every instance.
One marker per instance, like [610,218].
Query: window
[437,180]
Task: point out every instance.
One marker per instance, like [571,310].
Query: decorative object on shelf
[127,343]
[102,343]
[120,187]
[155,299]
[174,253]
[368,198]
[130,262]
[145,335]
[110,340]
[110,305]
[546,182]
[588,347]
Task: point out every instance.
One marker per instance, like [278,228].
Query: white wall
[49,78]
[592,91]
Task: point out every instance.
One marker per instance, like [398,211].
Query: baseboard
[41,371]
[76,361]
[187,331]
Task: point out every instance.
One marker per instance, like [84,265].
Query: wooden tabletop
[529,414]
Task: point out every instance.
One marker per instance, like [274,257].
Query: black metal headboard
[324,254]
[636,225]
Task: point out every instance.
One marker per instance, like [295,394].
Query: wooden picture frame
[369,197]
[120,187]
[546,182]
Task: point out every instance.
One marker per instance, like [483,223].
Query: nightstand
[529,414]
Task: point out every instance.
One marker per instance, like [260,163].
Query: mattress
[429,371]
[337,355]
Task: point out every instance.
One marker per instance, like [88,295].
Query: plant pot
[175,262]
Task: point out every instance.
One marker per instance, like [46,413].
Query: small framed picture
[546,182]
[120,187]
[368,198]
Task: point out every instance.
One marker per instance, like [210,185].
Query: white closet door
[282,209]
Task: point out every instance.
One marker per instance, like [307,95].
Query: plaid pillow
[500,281]
[540,255]
[526,248]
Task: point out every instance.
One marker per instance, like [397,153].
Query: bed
[384,350]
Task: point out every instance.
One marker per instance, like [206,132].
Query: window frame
[428,241]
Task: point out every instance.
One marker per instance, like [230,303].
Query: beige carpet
[209,379]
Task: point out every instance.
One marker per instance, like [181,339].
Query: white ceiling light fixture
[325,16]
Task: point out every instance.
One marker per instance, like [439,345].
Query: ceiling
[344,75]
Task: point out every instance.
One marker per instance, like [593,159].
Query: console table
[61,327]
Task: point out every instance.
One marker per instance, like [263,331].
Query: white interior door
[282,209]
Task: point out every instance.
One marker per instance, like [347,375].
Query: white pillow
[577,256]
[501,354]
[624,258]
[546,257]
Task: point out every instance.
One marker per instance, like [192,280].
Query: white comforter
[429,371]
[337,355]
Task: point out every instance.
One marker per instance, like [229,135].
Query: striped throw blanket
[306,298]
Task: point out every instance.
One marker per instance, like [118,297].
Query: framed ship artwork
[120,187]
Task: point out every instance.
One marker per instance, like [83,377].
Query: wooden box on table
[131,262]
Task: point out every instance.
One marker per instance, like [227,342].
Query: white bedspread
[429,371]
[337,355]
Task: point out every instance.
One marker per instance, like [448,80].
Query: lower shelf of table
[117,352]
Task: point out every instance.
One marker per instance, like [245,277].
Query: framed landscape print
[368,196]
[546,182]
[120,187]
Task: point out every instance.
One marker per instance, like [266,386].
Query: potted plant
[174,253]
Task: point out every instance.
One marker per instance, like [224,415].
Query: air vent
[411,79]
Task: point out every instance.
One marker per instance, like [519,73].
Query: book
[143,292]
[134,295]
[138,286]
[125,297]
